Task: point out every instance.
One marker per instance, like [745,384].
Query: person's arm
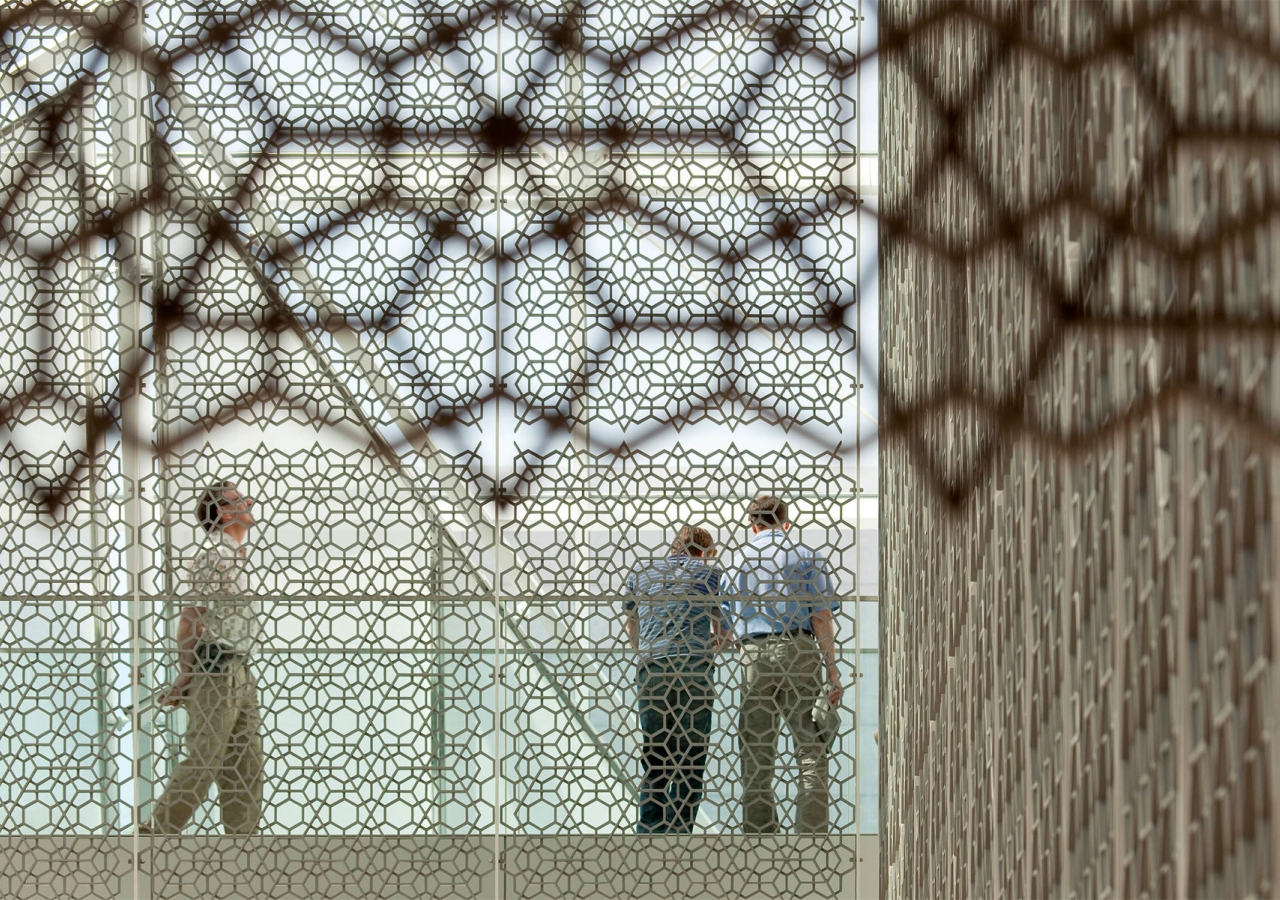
[721,634]
[822,586]
[629,591]
[724,634]
[728,611]
[824,632]
[190,628]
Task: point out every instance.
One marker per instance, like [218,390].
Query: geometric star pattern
[480,303]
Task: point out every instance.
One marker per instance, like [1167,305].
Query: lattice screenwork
[1081,401]
[479,304]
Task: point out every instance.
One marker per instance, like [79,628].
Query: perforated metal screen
[481,303]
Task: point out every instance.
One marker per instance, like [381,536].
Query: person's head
[766,513]
[222,508]
[692,541]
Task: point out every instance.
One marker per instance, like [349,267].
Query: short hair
[209,506]
[768,511]
[690,538]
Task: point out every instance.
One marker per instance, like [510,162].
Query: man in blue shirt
[779,601]
[674,621]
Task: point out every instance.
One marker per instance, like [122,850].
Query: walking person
[217,630]
[779,601]
[674,622]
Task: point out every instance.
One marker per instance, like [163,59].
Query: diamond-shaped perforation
[1072,197]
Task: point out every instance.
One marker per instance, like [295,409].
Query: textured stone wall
[1080,464]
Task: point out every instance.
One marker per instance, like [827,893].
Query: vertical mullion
[499,550]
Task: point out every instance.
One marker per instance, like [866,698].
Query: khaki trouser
[223,745]
[782,678]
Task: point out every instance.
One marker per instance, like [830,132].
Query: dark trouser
[674,700]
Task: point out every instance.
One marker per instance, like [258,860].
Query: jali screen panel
[480,303]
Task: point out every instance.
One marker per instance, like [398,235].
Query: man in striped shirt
[674,622]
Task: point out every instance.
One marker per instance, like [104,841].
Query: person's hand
[833,682]
[177,693]
[724,642]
